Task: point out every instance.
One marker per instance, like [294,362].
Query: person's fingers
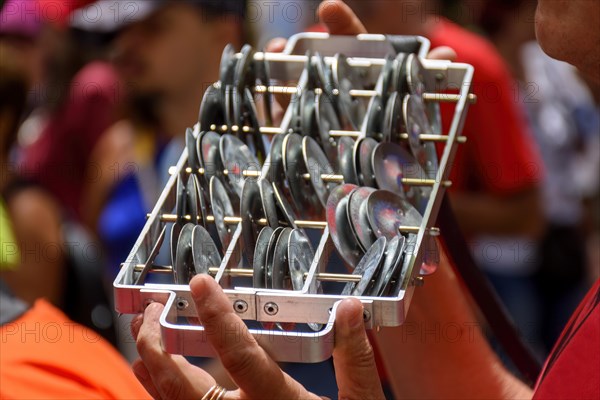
[172,376]
[353,358]
[135,325]
[141,373]
[250,367]
[276,45]
[339,18]
[442,53]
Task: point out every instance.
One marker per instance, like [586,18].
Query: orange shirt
[44,355]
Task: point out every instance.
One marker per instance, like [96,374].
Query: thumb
[353,359]
[339,18]
[442,53]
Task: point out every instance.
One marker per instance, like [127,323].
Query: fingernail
[199,287]
[278,42]
[355,317]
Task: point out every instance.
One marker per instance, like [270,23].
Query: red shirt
[59,159]
[573,369]
[500,157]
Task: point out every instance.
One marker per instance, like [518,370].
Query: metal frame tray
[179,337]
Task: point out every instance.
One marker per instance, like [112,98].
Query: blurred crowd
[95,98]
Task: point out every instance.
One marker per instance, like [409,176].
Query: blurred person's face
[28,53]
[569,30]
[170,50]
[399,17]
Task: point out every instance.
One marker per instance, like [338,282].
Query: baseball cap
[20,17]
[107,16]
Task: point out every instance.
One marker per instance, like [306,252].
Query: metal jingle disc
[367,267]
[268,202]
[296,143]
[228,106]
[221,207]
[368,235]
[262,76]
[174,238]
[345,157]
[358,219]
[203,197]
[364,152]
[324,76]
[300,257]
[387,211]
[308,124]
[434,116]
[260,257]
[212,108]
[204,251]
[303,193]
[399,81]
[416,124]
[355,162]
[415,77]
[317,164]
[245,73]
[374,117]
[431,255]
[227,67]
[391,163]
[312,81]
[280,273]
[272,269]
[387,73]
[296,117]
[236,157]
[242,111]
[180,199]
[184,261]
[138,278]
[344,80]
[180,207]
[251,210]
[404,272]
[339,226]
[432,165]
[276,172]
[250,118]
[293,141]
[285,211]
[343,71]
[193,200]
[393,121]
[210,158]
[391,264]
[237,106]
[270,257]
[327,120]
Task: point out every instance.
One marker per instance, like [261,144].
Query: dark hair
[495,13]
[218,8]
[13,98]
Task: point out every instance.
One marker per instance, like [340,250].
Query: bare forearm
[520,214]
[440,352]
